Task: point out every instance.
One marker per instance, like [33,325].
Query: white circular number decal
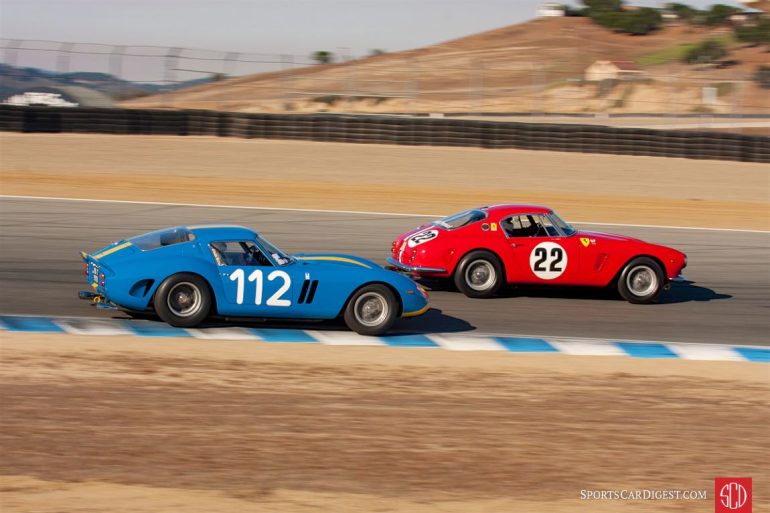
[419,238]
[548,260]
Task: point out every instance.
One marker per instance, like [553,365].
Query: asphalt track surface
[726,301]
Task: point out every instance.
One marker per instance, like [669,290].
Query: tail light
[85,268]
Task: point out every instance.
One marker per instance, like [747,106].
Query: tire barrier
[415,131]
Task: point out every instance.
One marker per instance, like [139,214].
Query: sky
[296,27]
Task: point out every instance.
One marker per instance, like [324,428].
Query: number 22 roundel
[548,260]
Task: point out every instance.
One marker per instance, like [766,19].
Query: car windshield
[461,219]
[166,237]
[279,256]
[563,225]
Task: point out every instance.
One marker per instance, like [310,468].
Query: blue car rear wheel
[183,300]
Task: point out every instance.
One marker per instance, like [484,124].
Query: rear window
[461,219]
[160,238]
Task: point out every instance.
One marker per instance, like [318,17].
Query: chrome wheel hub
[371,309]
[184,299]
[642,280]
[480,275]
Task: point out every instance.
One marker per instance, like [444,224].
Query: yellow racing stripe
[416,312]
[335,259]
[111,250]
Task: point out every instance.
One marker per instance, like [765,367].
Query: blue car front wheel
[371,310]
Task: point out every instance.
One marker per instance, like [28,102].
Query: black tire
[371,310]
[641,281]
[479,274]
[183,300]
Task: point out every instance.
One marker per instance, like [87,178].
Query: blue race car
[186,273]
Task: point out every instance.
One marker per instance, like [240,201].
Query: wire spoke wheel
[370,309]
[480,275]
[184,299]
[641,280]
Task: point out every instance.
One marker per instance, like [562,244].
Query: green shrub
[708,51]
[323,57]
[609,13]
[329,99]
[756,34]
[684,11]
[718,14]
[762,77]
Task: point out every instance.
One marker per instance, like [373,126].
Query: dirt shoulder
[424,180]
[120,424]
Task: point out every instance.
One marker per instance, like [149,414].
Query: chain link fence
[395,83]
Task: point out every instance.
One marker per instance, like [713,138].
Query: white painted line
[91,327]
[222,334]
[582,347]
[356,212]
[704,352]
[466,343]
[344,338]
[665,227]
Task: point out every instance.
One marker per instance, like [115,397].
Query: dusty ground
[121,424]
[210,170]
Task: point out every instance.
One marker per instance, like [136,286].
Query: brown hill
[533,66]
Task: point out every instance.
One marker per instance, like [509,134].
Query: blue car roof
[208,232]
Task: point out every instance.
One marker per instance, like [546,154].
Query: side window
[528,226]
[519,226]
[244,253]
[546,227]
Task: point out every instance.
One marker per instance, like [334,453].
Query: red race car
[482,248]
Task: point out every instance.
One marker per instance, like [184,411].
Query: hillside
[533,66]
[88,89]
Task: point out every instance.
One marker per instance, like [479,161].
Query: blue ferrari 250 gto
[187,273]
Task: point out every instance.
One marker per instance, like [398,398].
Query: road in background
[40,271]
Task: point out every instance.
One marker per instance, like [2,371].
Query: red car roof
[516,209]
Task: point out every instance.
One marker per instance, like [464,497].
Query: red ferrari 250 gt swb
[482,248]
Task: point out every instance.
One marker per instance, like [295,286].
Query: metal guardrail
[392,130]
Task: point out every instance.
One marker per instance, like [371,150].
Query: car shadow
[680,292]
[685,292]
[432,321]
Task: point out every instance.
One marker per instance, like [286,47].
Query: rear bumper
[97,300]
[413,269]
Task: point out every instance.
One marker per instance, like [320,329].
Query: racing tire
[641,281]
[479,274]
[371,310]
[183,300]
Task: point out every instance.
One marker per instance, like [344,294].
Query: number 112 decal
[257,276]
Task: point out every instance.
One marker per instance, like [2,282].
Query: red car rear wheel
[479,274]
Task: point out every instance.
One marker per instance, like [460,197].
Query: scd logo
[732,495]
